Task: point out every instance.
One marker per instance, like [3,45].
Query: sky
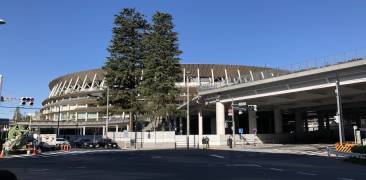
[44,39]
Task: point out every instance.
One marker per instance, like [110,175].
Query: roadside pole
[107,120]
[233,120]
[187,112]
[339,112]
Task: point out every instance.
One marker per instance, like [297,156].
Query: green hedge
[359,149]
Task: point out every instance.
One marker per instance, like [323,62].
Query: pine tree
[17,115]
[161,66]
[124,65]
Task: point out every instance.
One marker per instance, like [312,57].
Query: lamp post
[233,120]
[339,115]
[107,120]
[187,81]
[58,120]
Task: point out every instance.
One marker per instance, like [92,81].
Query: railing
[345,57]
[338,154]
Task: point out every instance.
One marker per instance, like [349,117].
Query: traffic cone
[2,154]
[34,153]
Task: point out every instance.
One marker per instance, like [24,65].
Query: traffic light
[31,101]
[25,100]
[253,107]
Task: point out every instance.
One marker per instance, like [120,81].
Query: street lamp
[187,81]
[2,21]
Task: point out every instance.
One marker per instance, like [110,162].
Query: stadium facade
[72,105]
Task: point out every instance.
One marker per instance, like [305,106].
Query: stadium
[72,108]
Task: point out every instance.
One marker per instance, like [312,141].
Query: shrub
[359,149]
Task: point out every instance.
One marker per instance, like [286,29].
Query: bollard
[2,155]
[34,152]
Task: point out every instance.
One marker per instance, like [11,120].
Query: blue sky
[45,39]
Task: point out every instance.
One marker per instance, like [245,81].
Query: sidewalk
[303,149]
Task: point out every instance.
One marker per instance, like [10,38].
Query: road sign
[242,104]
[230,112]
[254,130]
[241,130]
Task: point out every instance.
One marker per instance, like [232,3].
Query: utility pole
[107,120]
[58,120]
[233,120]
[187,81]
[339,115]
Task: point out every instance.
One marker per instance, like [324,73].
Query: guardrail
[338,154]
[341,58]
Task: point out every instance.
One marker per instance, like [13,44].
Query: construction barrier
[346,147]
[65,147]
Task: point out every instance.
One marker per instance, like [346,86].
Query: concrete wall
[168,139]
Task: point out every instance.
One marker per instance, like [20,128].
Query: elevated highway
[298,103]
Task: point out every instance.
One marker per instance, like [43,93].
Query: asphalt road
[181,164]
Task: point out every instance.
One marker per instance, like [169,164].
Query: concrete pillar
[116,128]
[278,121]
[252,117]
[320,121]
[200,123]
[220,118]
[83,130]
[299,123]
[213,125]
[104,132]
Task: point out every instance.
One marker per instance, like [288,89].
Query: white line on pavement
[157,157]
[243,165]
[217,156]
[39,170]
[276,169]
[305,173]
[342,178]
[78,167]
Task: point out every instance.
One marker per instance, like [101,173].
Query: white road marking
[217,156]
[276,169]
[342,178]
[243,165]
[79,167]
[305,173]
[157,157]
[39,170]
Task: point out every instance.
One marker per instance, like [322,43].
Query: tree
[17,115]
[161,66]
[124,65]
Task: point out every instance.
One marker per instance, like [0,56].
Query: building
[72,106]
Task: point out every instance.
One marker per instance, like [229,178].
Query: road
[181,164]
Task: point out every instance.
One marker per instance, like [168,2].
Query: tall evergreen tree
[161,66]
[124,65]
[17,115]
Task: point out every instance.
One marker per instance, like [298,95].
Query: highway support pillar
[220,118]
[278,121]
[200,126]
[252,117]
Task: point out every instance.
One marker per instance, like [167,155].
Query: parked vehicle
[81,143]
[107,143]
[60,141]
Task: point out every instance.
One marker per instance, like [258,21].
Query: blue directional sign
[241,130]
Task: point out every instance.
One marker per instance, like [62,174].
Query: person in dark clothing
[230,142]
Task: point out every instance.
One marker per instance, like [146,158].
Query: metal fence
[339,58]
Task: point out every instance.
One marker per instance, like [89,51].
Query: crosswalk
[63,153]
[286,151]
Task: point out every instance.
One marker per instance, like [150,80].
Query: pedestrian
[207,142]
[230,142]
